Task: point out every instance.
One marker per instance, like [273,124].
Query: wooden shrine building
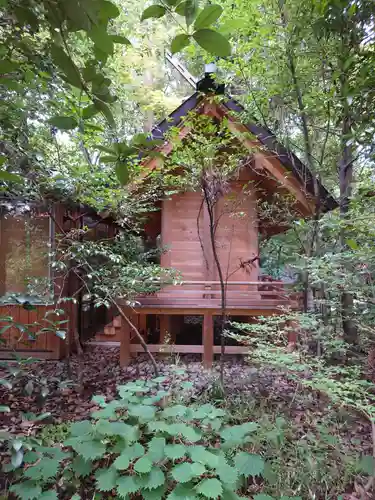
[181,318]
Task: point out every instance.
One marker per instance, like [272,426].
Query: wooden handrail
[237,283]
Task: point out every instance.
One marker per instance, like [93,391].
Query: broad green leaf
[226,473]
[81,428]
[154,479]
[249,464]
[156,494]
[156,449]
[213,42]
[143,465]
[90,449]
[104,109]
[108,428]
[262,496]
[122,462]
[106,479]
[191,8]
[367,464]
[175,411]
[89,112]
[175,451]
[63,61]
[108,10]
[183,492]
[209,15]
[210,488]
[81,467]
[122,173]
[7,66]
[179,42]
[43,470]
[49,495]
[236,433]
[203,456]
[189,433]
[127,485]
[154,11]
[352,244]
[184,472]
[102,40]
[5,383]
[120,39]
[63,122]
[27,490]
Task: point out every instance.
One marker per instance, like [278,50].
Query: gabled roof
[263,135]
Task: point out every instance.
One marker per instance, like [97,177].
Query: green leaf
[81,467]
[189,433]
[175,451]
[63,61]
[127,485]
[352,244]
[81,428]
[183,492]
[104,109]
[175,411]
[201,455]
[27,490]
[49,495]
[184,472]
[262,496]
[90,450]
[108,10]
[122,173]
[102,40]
[9,177]
[120,39]
[63,122]
[156,449]
[213,42]
[367,464]
[156,494]
[179,42]
[108,428]
[154,11]
[209,15]
[236,433]
[45,469]
[106,479]
[226,473]
[191,8]
[143,465]
[249,464]
[210,488]
[153,479]
[7,66]
[89,112]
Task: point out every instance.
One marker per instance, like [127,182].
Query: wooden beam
[167,348]
[125,344]
[208,340]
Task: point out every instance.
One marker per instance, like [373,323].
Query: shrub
[144,445]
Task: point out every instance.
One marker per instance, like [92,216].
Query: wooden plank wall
[47,344]
[237,233]
[180,234]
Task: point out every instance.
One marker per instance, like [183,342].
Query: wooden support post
[125,344]
[208,340]
[165,327]
[142,325]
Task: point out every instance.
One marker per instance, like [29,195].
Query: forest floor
[316,449]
